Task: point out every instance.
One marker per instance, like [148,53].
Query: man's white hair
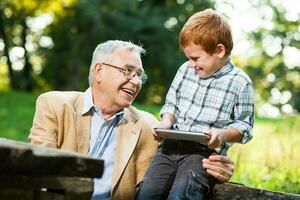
[104,51]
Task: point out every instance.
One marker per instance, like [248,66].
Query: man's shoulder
[60,97]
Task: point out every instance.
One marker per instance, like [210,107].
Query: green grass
[16,114]
[270,161]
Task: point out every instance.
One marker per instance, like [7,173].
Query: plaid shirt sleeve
[170,105]
[244,112]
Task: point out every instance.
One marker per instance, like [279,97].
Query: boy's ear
[220,51]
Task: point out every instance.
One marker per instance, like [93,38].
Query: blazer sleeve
[44,126]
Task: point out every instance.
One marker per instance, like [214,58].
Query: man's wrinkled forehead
[126,57]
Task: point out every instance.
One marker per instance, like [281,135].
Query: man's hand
[220,167]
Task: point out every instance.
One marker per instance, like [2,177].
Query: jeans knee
[198,185]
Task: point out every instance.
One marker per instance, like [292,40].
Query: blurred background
[47,45]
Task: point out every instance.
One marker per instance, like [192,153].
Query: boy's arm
[166,122]
[241,128]
[243,113]
[220,136]
[171,101]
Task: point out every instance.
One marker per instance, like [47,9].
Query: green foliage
[79,25]
[270,55]
[15,32]
[89,23]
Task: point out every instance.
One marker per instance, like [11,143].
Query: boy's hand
[163,125]
[216,138]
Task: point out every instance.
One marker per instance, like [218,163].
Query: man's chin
[125,104]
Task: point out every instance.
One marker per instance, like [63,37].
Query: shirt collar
[88,101]
[89,104]
[224,70]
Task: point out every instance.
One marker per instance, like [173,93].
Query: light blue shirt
[102,144]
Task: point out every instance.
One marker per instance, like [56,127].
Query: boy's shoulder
[239,75]
[184,66]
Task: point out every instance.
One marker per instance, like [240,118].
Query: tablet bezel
[183,135]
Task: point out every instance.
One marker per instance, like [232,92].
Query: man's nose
[135,79]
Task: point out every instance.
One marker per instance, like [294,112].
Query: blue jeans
[176,172]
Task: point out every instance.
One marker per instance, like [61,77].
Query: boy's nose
[193,64]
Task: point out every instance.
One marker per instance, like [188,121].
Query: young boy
[208,94]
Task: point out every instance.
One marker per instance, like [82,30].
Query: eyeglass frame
[142,77]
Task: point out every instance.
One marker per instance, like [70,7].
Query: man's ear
[220,51]
[98,72]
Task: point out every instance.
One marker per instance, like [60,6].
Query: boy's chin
[203,75]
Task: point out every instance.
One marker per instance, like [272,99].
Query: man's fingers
[220,171]
[221,177]
[218,165]
[220,158]
[209,164]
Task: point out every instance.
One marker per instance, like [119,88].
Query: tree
[155,24]
[276,77]
[15,33]
[79,25]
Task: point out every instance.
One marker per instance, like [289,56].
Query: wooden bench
[233,191]
[29,172]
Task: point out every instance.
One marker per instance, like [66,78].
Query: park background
[47,45]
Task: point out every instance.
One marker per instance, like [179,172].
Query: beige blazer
[58,123]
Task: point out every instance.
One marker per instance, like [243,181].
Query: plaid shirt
[224,100]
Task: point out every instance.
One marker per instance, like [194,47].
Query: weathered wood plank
[240,192]
[22,187]
[18,158]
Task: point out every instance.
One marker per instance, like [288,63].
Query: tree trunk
[26,76]
[11,74]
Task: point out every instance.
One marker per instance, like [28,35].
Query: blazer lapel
[83,123]
[127,137]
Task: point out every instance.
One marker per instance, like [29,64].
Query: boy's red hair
[208,29]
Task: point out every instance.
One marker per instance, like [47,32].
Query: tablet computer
[183,135]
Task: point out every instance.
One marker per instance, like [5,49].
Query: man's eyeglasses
[130,71]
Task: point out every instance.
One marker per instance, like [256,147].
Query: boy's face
[204,63]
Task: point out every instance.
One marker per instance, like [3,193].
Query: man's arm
[44,126]
[218,166]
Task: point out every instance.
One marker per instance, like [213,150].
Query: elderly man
[102,123]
